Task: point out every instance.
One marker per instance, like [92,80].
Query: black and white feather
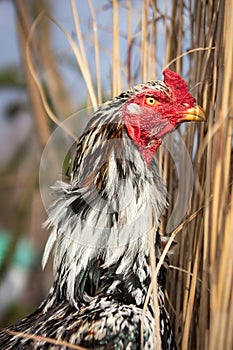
[99,238]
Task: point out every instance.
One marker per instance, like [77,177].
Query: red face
[157,109]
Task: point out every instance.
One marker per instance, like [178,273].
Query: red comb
[178,86]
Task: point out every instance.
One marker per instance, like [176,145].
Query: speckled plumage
[100,224]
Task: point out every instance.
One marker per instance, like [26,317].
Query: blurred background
[59,57]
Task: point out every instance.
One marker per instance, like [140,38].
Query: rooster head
[157,108]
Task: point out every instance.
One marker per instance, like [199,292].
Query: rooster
[100,224]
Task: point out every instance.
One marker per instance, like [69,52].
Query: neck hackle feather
[100,224]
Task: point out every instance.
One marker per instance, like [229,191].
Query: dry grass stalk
[202,295]
[46,339]
[24,23]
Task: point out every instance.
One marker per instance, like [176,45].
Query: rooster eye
[151,101]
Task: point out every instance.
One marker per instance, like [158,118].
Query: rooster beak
[195,114]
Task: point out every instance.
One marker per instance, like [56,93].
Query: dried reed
[196,38]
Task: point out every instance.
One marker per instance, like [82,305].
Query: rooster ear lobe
[131,121]
[134,131]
